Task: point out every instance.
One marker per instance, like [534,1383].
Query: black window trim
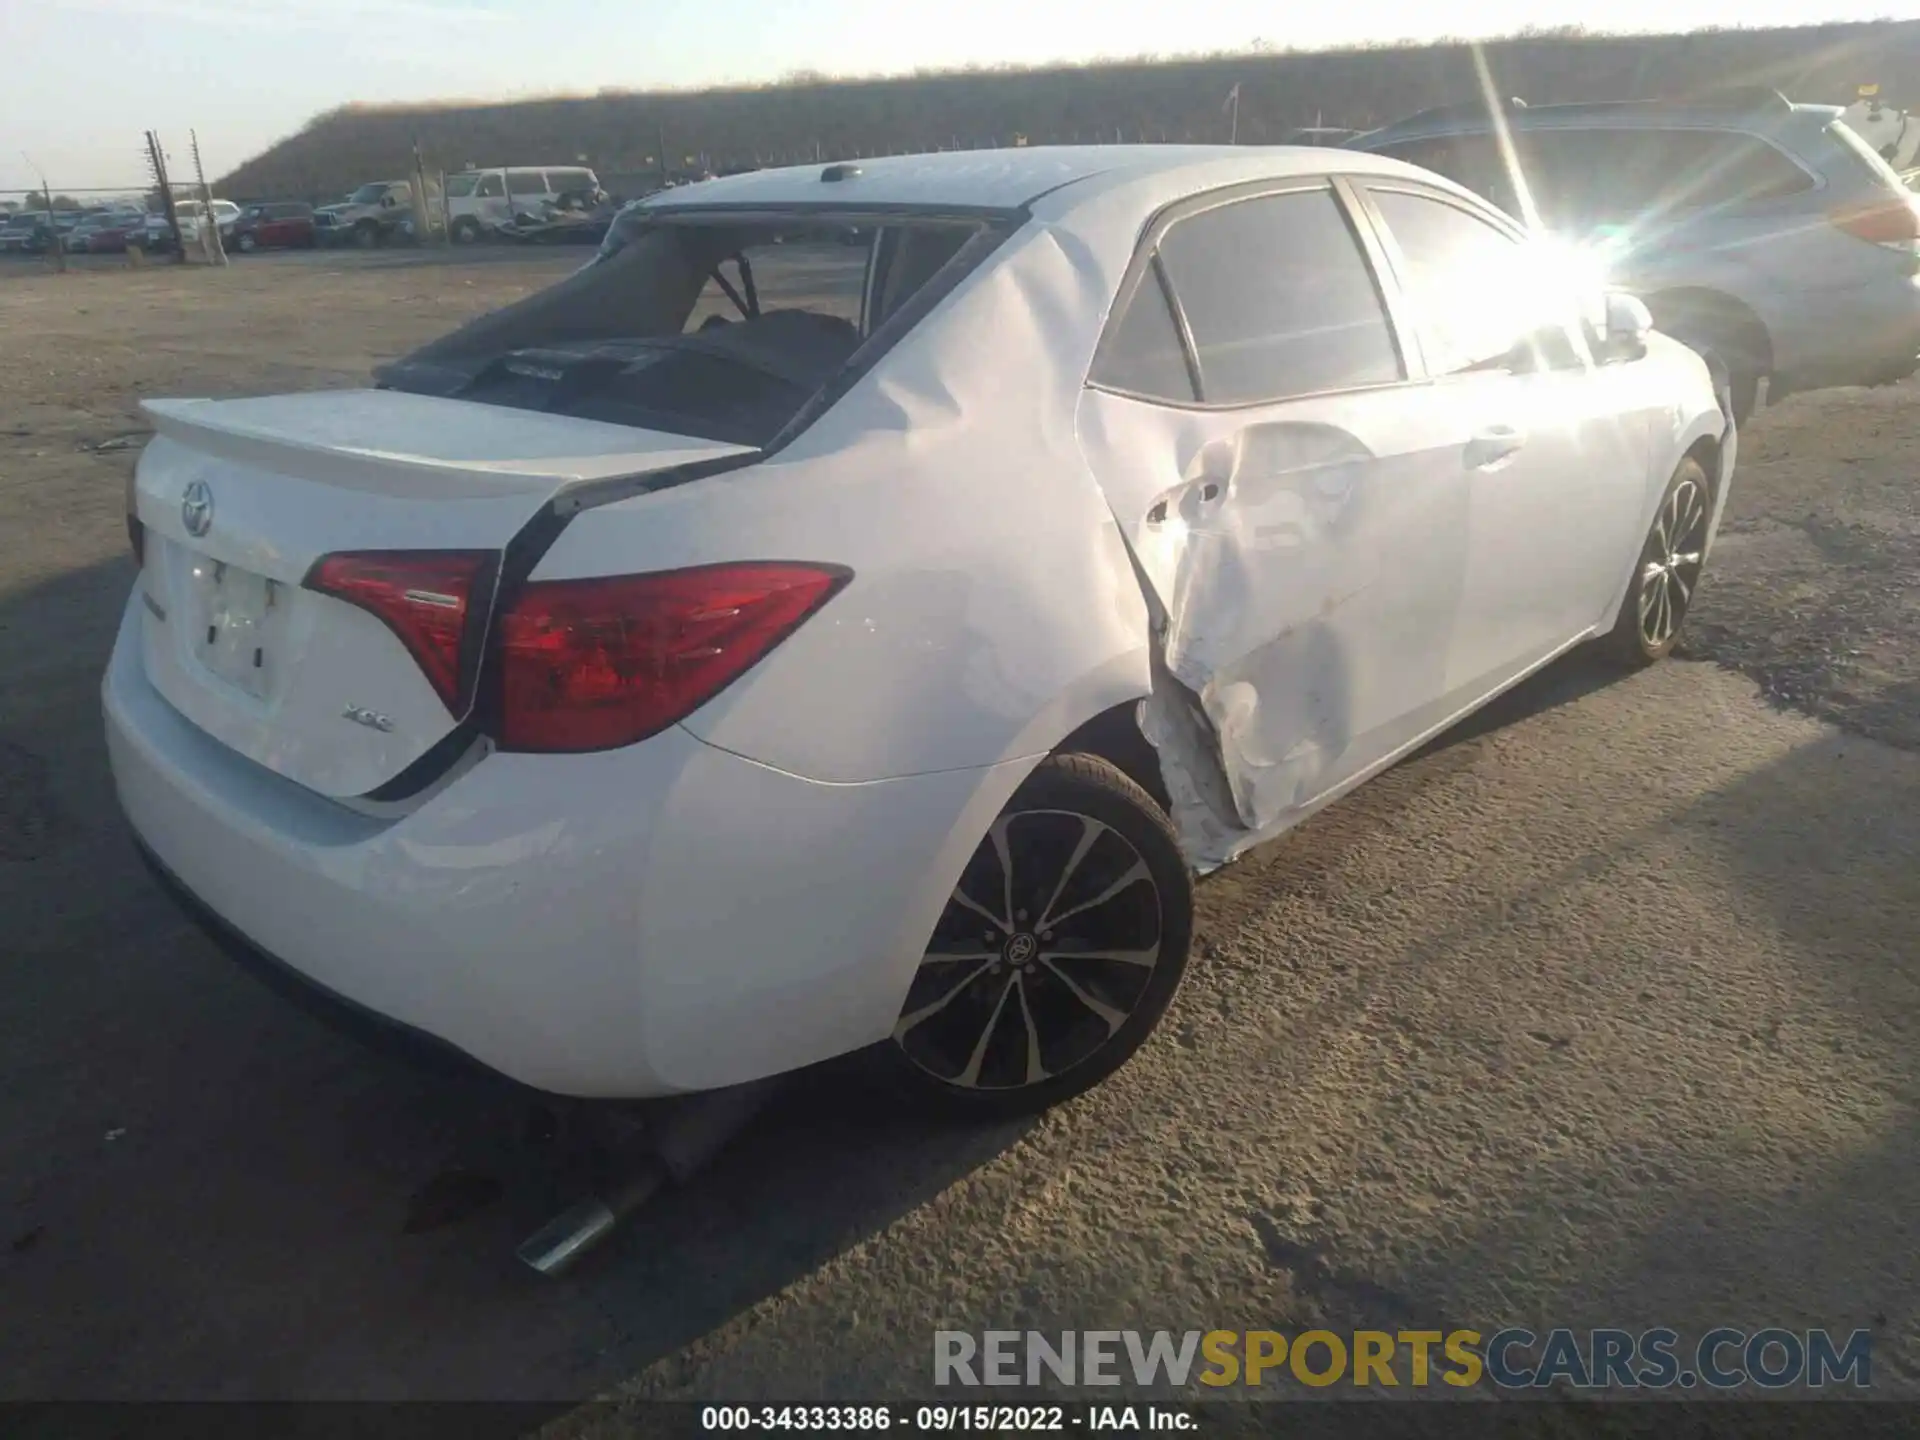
[1146,260]
[1182,327]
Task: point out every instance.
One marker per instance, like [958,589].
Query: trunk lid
[239,498]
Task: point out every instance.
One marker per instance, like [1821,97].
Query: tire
[246,243]
[366,235]
[466,231]
[1666,576]
[998,1022]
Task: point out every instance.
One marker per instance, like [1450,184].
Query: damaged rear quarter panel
[993,608]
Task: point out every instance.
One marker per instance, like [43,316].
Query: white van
[479,202]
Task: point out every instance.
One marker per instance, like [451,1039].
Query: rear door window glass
[1279,299]
[1142,353]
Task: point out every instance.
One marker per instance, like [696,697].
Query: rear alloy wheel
[1059,950]
[1668,573]
[247,243]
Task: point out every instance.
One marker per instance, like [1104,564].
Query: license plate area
[235,624]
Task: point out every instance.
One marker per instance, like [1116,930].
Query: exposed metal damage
[1251,707]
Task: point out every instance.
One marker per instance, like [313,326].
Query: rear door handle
[1492,445]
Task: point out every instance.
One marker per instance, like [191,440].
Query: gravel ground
[1600,1012]
[1814,591]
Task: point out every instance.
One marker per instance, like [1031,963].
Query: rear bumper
[367,1027]
[665,918]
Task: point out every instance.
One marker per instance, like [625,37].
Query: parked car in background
[157,235]
[74,239]
[372,215]
[113,234]
[275,225]
[1762,232]
[26,232]
[480,203]
[576,218]
[96,231]
[1280,462]
[192,214]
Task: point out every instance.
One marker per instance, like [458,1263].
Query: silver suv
[1766,235]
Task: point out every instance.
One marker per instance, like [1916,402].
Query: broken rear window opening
[716,325]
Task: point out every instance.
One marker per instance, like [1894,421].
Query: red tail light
[596,664]
[423,596]
[1892,221]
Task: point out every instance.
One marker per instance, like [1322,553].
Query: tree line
[810,117]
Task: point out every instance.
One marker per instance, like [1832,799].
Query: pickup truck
[378,213]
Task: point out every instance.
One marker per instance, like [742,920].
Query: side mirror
[1628,323]
[386,202]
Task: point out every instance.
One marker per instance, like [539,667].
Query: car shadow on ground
[209,1194]
[1573,677]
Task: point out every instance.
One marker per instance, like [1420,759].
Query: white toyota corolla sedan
[853,608]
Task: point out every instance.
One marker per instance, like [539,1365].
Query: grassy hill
[626,134]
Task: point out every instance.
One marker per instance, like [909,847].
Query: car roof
[1007,180]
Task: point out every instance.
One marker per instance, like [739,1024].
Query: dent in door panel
[1267,555]
[1308,584]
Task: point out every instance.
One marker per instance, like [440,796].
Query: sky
[81,80]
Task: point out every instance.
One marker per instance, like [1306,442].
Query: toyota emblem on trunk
[196,508]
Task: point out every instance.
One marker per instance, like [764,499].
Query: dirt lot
[1601,1013]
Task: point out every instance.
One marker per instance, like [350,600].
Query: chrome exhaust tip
[683,1135]
[559,1244]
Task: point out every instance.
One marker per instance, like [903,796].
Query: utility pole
[1233,105]
[54,237]
[423,227]
[157,163]
[209,223]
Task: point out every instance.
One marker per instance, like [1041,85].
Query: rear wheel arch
[1115,736]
